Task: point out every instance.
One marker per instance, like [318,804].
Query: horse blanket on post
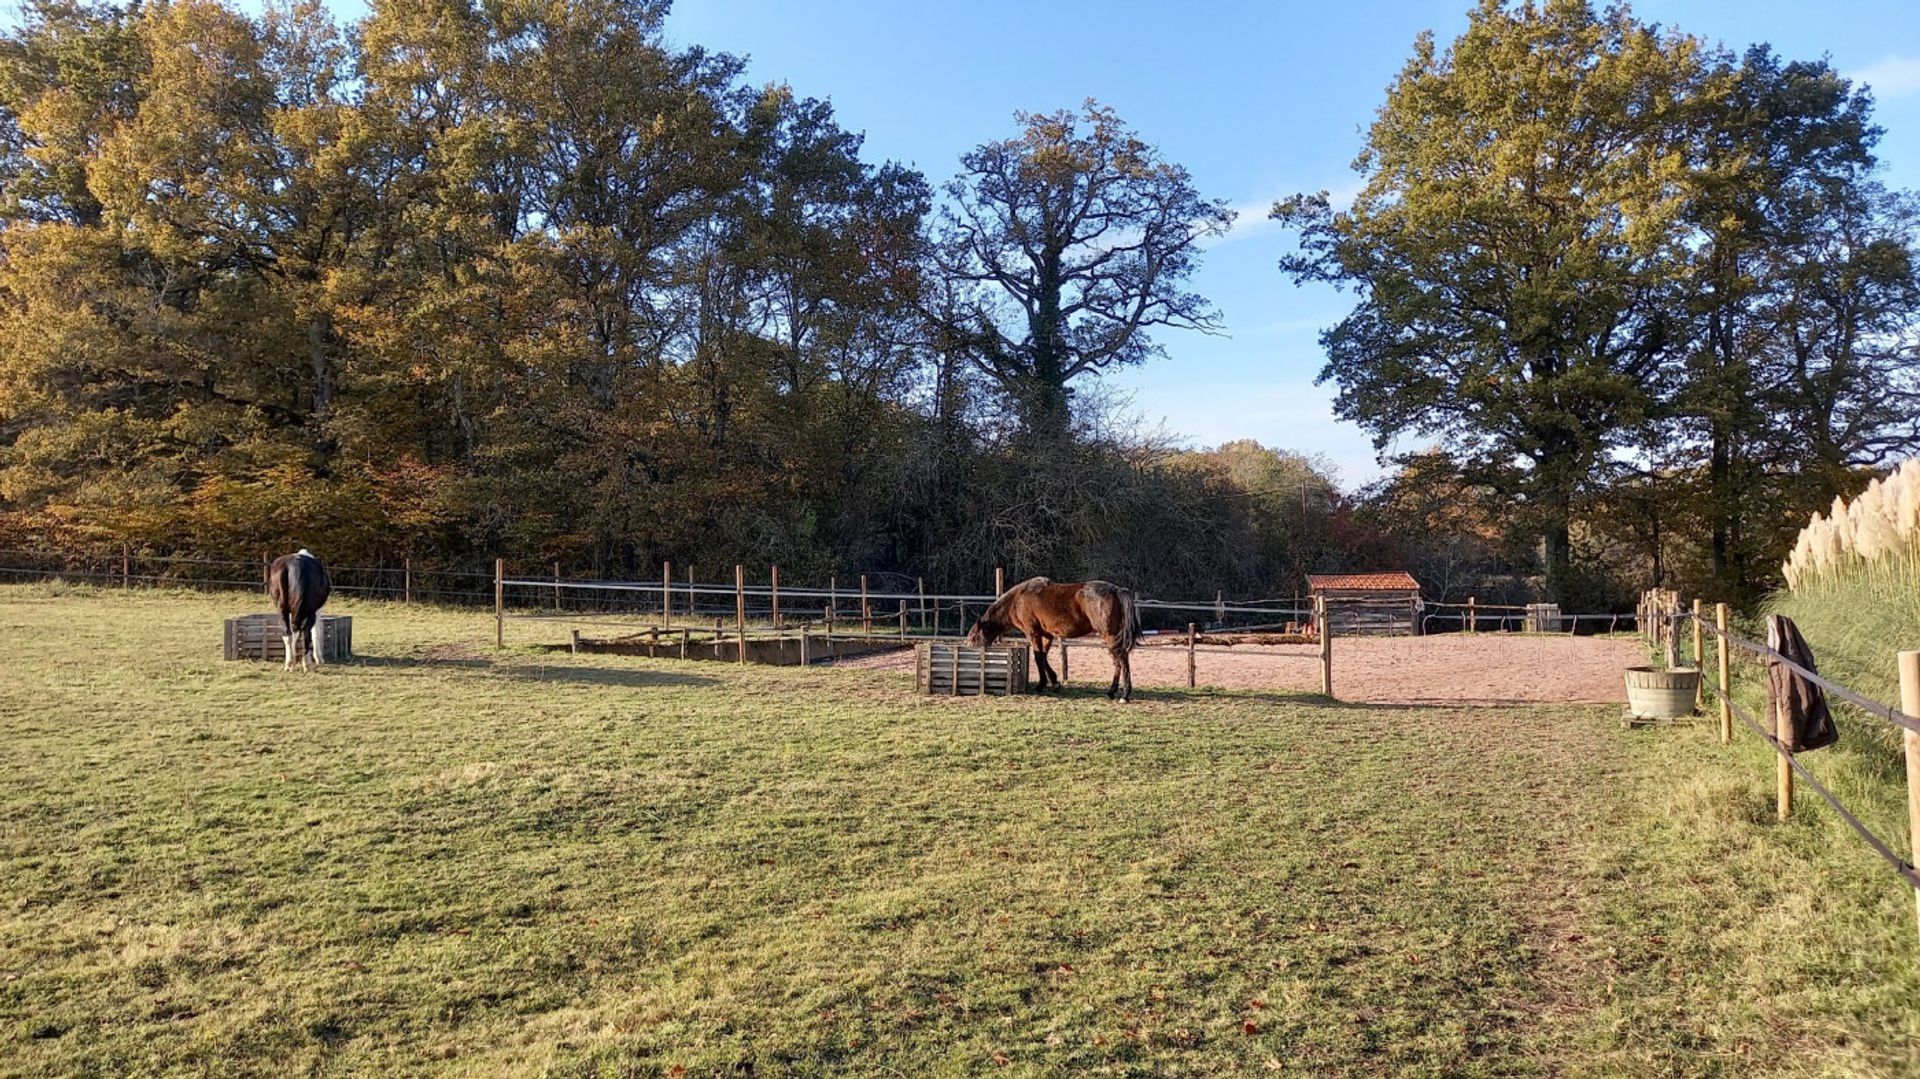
[1805,703]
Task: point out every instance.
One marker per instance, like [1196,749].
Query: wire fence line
[609,598]
[1669,619]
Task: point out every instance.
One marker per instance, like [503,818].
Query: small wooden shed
[1369,604]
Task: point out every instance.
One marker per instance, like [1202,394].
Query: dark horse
[1045,612]
[299,586]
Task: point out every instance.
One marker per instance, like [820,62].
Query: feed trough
[949,668]
[257,636]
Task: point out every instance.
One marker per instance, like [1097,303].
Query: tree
[1802,291]
[1076,237]
[1513,249]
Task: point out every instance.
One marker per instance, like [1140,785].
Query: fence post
[1910,743]
[556,586]
[826,613]
[1065,677]
[666,594]
[1191,628]
[499,603]
[406,579]
[1326,648]
[1699,655]
[866,610]
[1473,620]
[126,567]
[693,609]
[575,635]
[775,577]
[1783,772]
[1220,608]
[903,619]
[1726,680]
[740,606]
[803,644]
[999,581]
[921,584]
[686,638]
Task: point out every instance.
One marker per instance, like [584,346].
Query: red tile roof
[1399,579]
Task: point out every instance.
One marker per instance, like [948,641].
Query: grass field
[443,859]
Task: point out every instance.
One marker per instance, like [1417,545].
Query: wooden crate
[953,669]
[257,636]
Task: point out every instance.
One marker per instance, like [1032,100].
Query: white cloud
[1250,217]
[1896,76]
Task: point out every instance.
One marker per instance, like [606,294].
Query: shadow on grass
[604,676]
[534,672]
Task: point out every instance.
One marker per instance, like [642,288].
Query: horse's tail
[1130,621]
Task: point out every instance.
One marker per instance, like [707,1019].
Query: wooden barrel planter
[949,668]
[257,636]
[1662,694]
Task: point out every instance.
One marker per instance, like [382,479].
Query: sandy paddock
[1452,667]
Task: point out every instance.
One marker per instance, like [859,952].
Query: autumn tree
[1077,238]
[1513,249]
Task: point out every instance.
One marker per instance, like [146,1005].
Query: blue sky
[1257,99]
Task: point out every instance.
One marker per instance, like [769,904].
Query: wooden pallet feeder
[257,636]
[949,668]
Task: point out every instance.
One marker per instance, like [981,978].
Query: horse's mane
[997,610]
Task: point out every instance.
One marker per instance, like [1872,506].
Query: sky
[1257,99]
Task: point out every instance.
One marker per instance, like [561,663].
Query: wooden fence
[1668,623]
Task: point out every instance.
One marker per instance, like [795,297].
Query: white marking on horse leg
[313,645]
[286,645]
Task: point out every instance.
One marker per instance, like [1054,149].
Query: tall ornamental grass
[1873,539]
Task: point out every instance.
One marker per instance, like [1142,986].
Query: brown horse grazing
[1045,612]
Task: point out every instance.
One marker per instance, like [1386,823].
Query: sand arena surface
[1451,668]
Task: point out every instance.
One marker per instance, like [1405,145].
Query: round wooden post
[1220,608]
[999,581]
[1783,772]
[1910,743]
[866,610]
[575,635]
[1699,655]
[903,619]
[666,594]
[406,579]
[1064,676]
[1473,620]
[1326,649]
[692,609]
[556,586]
[499,603]
[1726,681]
[740,607]
[775,577]
[1191,634]
[686,638]
[803,644]
[921,584]
[126,567]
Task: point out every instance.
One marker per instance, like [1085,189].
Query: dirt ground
[1452,667]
